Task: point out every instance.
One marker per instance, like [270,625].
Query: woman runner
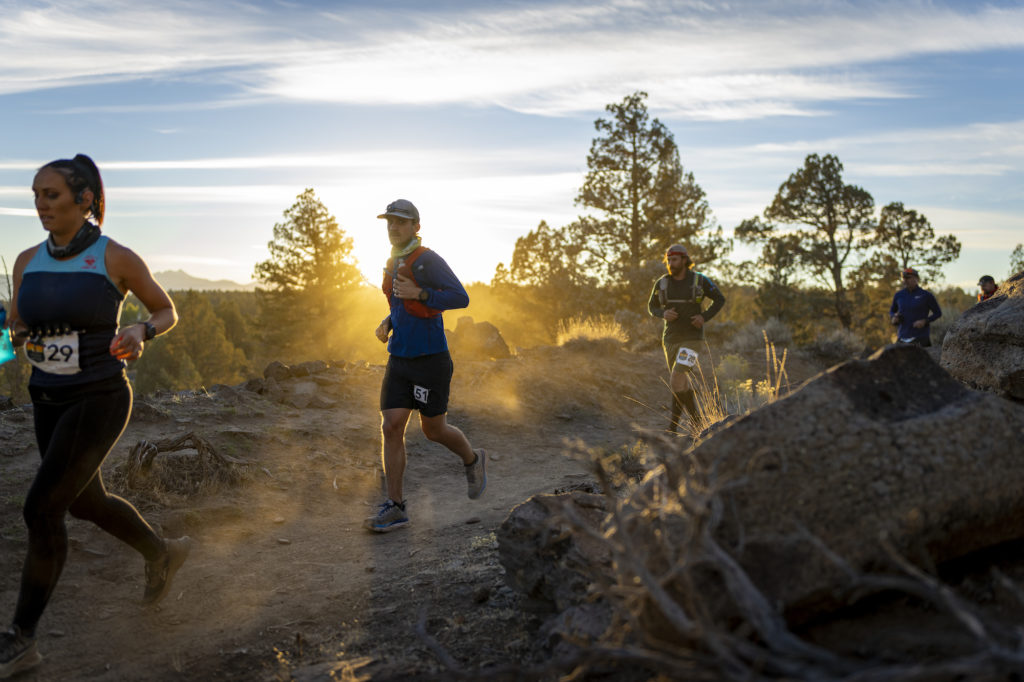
[67,301]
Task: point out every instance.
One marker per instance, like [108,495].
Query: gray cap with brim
[401,208]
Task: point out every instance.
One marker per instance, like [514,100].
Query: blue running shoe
[390,516]
[476,475]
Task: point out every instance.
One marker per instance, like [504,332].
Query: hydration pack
[696,292]
[404,267]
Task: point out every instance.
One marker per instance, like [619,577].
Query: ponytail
[81,174]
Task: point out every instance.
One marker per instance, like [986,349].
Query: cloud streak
[706,61]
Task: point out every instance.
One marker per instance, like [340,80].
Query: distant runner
[67,300]
[913,309]
[678,297]
[988,288]
[418,285]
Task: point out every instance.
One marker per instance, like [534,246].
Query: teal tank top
[69,301]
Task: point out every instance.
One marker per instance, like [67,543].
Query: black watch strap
[150,330]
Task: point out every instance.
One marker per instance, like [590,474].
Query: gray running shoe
[160,573]
[390,516]
[476,475]
[18,653]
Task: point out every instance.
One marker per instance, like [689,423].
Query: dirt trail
[283,581]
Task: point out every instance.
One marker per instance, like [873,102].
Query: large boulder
[477,341]
[889,447]
[985,347]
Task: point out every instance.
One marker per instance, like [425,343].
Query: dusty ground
[283,582]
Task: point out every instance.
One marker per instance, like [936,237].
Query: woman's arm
[131,273]
[19,330]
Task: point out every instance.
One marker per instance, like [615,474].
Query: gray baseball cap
[401,208]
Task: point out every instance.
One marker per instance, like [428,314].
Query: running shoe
[390,516]
[17,653]
[160,573]
[476,475]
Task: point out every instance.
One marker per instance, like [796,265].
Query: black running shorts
[421,383]
[672,346]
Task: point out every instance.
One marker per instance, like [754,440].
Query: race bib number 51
[54,354]
[686,357]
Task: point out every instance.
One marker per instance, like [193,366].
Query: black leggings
[75,432]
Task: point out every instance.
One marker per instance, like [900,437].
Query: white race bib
[54,354]
[686,357]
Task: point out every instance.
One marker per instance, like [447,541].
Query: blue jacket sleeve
[933,307]
[444,290]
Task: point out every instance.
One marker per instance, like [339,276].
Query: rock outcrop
[307,384]
[477,341]
[984,348]
[890,447]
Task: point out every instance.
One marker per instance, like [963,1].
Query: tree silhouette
[646,199]
[195,353]
[831,222]
[1017,260]
[309,275]
[907,237]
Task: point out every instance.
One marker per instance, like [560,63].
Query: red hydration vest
[413,307]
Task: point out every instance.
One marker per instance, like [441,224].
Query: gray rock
[300,394]
[255,385]
[305,369]
[145,411]
[272,390]
[321,402]
[542,556]
[890,446]
[277,370]
[984,348]
[477,341]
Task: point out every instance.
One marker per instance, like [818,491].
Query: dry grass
[663,548]
[717,403]
[590,329]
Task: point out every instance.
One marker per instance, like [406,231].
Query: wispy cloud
[705,60]
[979,149]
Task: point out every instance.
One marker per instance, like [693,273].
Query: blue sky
[207,119]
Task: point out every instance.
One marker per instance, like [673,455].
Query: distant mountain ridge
[179,280]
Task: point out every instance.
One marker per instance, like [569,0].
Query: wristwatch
[423,295]
[150,330]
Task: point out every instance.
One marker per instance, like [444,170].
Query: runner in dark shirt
[679,298]
[913,309]
[988,287]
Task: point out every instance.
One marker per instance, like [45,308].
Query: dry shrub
[835,346]
[183,474]
[663,547]
[718,402]
[603,327]
[750,337]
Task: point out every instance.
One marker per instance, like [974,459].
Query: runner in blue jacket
[913,309]
[419,285]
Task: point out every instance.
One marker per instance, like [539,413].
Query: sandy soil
[283,582]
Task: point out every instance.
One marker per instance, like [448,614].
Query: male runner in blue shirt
[913,309]
[418,285]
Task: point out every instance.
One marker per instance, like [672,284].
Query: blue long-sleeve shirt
[915,305]
[413,336]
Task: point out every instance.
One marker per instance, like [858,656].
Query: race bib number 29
[54,354]
[686,357]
